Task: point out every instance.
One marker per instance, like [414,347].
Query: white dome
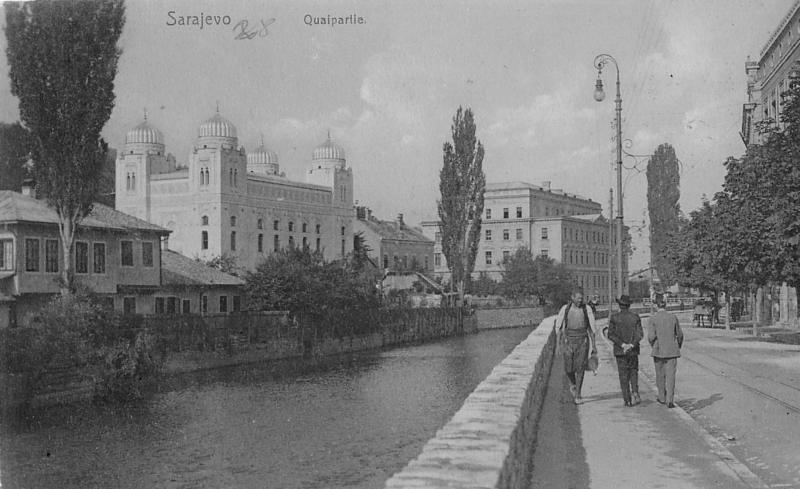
[217,127]
[328,151]
[262,156]
[144,133]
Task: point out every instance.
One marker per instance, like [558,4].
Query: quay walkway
[520,429]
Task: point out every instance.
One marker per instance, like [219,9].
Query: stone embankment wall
[70,386]
[490,440]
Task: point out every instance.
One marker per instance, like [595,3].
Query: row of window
[583,235]
[175,305]
[507,254]
[505,213]
[130,182]
[260,224]
[507,234]
[592,281]
[82,256]
[403,263]
[276,242]
[578,257]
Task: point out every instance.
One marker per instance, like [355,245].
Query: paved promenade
[603,444]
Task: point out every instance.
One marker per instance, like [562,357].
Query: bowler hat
[624,300]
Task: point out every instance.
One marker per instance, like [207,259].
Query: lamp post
[599,95]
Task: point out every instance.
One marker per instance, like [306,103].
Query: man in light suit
[575,339]
[666,337]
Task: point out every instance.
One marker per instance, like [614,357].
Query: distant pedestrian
[625,331]
[575,340]
[594,302]
[666,337]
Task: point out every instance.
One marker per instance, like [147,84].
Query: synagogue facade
[225,201]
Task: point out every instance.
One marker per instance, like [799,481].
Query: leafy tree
[301,281]
[62,59]
[461,183]
[224,263]
[15,149]
[663,193]
[639,289]
[540,277]
[520,277]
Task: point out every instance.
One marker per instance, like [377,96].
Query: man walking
[625,331]
[666,337]
[575,339]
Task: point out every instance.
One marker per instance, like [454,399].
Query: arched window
[230,177]
[204,240]
[204,221]
[133,181]
[128,182]
[261,243]
[235,174]
[233,221]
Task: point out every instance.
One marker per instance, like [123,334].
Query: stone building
[767,80]
[226,201]
[550,222]
[394,244]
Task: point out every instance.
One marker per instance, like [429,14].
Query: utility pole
[610,250]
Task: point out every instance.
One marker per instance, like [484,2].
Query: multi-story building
[549,222]
[394,245]
[767,81]
[768,78]
[225,201]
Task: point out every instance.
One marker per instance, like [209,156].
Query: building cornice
[777,33]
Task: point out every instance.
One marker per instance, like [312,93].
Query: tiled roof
[390,230]
[16,207]
[177,269]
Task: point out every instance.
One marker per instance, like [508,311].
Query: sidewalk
[648,445]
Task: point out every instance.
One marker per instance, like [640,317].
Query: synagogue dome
[217,127]
[328,151]
[145,133]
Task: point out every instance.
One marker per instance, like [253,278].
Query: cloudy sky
[388,88]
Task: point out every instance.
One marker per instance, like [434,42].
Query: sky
[387,88]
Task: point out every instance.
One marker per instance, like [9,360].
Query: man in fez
[625,331]
[575,339]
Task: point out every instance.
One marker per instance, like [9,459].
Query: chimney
[399,220]
[29,188]
[369,214]
[546,184]
[165,242]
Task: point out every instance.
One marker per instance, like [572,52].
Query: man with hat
[625,331]
[666,337]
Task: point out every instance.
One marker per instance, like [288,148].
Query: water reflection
[350,421]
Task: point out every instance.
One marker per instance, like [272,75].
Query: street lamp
[599,95]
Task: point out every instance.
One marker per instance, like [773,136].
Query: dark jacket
[625,327]
[665,335]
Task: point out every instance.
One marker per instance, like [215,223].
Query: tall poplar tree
[663,193]
[63,59]
[461,183]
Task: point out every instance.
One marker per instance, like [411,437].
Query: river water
[349,421]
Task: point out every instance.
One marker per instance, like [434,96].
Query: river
[348,421]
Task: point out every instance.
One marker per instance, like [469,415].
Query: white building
[224,201]
[550,222]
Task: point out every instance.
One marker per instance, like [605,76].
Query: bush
[128,365]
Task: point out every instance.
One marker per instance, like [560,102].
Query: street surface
[737,423]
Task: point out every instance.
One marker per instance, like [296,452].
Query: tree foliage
[301,281]
[540,277]
[224,263]
[462,184]
[663,193]
[15,149]
[62,59]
